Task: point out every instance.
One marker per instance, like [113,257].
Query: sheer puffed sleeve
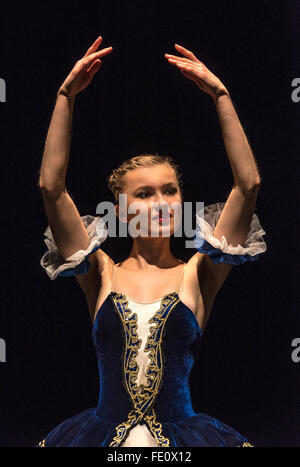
[55,265]
[220,251]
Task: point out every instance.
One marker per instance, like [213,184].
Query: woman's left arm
[235,219]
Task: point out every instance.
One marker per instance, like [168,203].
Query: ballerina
[150,310]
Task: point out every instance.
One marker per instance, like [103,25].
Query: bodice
[162,393]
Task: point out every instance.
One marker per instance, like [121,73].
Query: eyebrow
[150,187]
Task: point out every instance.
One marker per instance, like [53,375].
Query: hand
[84,70]
[195,70]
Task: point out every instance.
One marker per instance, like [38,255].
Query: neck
[152,251]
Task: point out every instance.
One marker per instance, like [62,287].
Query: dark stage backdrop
[136,103]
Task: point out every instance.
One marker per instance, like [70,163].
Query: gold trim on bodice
[144,396]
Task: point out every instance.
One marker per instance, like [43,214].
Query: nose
[159,198]
[160,206]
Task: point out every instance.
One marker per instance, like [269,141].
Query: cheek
[145,207]
[177,200]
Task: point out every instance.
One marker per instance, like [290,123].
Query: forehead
[154,175]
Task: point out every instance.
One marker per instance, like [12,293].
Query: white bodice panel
[140,435]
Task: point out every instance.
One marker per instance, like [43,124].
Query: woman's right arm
[67,228]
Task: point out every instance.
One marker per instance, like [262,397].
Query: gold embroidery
[123,428]
[156,429]
[142,397]
[246,445]
[42,443]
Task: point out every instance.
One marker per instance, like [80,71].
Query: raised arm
[236,216]
[67,228]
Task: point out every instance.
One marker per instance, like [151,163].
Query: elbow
[250,186]
[51,190]
[255,185]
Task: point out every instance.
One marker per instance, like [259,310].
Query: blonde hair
[115,179]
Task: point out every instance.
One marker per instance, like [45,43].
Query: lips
[161,217]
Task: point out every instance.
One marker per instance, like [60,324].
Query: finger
[101,53]
[94,67]
[174,57]
[190,66]
[176,60]
[181,61]
[193,72]
[186,52]
[93,47]
[187,66]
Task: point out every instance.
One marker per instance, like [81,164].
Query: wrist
[64,93]
[220,93]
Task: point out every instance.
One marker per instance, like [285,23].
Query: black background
[136,103]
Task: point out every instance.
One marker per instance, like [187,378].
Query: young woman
[149,311]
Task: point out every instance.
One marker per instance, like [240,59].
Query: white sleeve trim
[54,263]
[206,223]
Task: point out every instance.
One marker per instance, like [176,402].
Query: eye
[143,194]
[172,191]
